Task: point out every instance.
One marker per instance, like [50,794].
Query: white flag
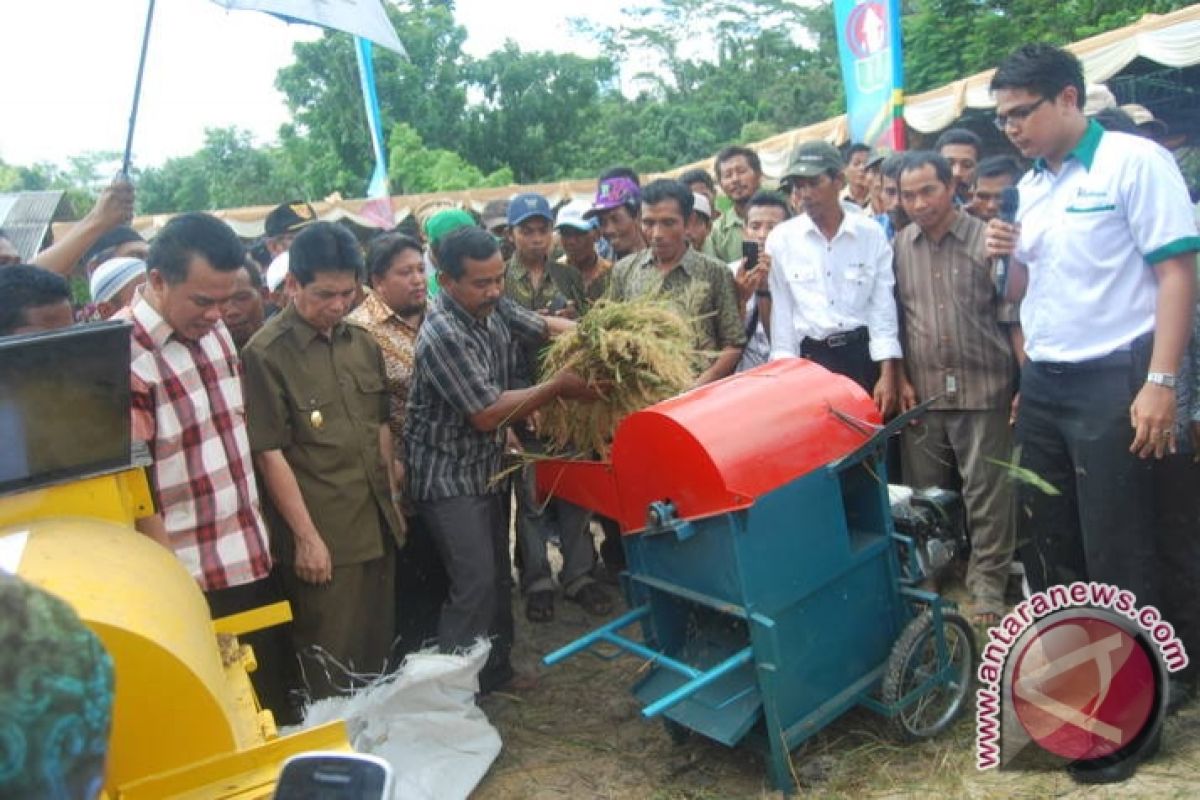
[365,18]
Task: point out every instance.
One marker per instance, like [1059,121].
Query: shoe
[1105,770]
[539,606]
[594,600]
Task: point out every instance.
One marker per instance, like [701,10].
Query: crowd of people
[328,424]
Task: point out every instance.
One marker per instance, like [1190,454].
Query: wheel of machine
[913,659]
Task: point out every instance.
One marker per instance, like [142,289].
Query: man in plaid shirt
[187,407]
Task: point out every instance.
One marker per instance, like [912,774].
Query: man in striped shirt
[958,352]
[187,407]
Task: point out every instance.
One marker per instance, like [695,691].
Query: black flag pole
[137,93]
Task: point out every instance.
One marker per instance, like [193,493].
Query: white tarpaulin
[424,722]
[365,18]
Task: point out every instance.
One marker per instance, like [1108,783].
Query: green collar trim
[1084,152]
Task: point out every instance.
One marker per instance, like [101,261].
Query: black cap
[289,218]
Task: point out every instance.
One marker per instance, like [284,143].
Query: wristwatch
[1162,379]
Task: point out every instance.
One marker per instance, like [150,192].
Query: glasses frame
[1018,114]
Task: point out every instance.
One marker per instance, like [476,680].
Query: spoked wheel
[914,660]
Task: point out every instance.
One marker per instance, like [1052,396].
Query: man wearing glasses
[1103,255]
[831,280]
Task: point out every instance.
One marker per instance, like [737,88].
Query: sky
[67,68]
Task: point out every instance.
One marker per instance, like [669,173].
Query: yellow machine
[186,722]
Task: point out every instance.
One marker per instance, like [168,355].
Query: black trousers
[852,359]
[277,679]
[471,535]
[1177,516]
[1073,431]
[421,589]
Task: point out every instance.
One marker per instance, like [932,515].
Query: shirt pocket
[369,399]
[856,280]
[313,419]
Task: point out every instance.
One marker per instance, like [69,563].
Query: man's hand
[1152,416]
[747,282]
[115,205]
[1001,239]
[313,563]
[1016,405]
[908,395]
[570,386]
[886,397]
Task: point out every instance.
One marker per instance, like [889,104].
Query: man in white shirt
[1104,255]
[831,281]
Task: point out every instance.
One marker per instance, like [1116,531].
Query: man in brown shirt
[317,418]
[956,350]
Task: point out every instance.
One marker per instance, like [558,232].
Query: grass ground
[579,735]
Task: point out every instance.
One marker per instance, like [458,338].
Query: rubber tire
[913,636]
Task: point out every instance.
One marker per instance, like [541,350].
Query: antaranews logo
[1080,671]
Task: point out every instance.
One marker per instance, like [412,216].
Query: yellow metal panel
[255,619]
[119,497]
[237,776]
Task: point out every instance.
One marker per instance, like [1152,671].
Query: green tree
[945,40]
[328,140]
[423,170]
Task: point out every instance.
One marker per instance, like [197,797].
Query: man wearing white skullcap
[114,282]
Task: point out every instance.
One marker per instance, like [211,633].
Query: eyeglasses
[1018,114]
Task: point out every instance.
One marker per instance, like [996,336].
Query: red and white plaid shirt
[187,406]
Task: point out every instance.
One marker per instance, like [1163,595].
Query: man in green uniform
[701,286]
[317,414]
[739,171]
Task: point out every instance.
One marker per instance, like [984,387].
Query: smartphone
[749,255]
[334,776]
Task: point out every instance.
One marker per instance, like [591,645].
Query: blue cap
[524,206]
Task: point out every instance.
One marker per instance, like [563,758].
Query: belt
[1118,359]
[838,339]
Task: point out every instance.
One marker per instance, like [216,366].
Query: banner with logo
[872,70]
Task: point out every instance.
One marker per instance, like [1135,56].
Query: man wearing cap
[436,227]
[578,234]
[114,282]
[700,286]
[739,171]
[831,280]
[617,205]
[284,222]
[542,286]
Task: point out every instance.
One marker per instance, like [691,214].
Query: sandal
[987,613]
[593,599]
[539,606]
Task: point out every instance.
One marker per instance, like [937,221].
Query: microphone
[1010,201]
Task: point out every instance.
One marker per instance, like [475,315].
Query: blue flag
[872,70]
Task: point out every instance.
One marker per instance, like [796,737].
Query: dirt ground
[579,735]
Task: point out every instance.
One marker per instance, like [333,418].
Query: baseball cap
[277,271]
[572,216]
[612,193]
[443,222]
[812,159]
[1098,98]
[700,203]
[876,158]
[114,275]
[525,206]
[495,213]
[289,217]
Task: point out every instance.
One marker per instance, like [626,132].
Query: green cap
[812,159]
[446,221]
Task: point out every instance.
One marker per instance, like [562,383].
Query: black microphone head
[1010,201]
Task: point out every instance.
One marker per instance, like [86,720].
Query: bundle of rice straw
[640,351]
